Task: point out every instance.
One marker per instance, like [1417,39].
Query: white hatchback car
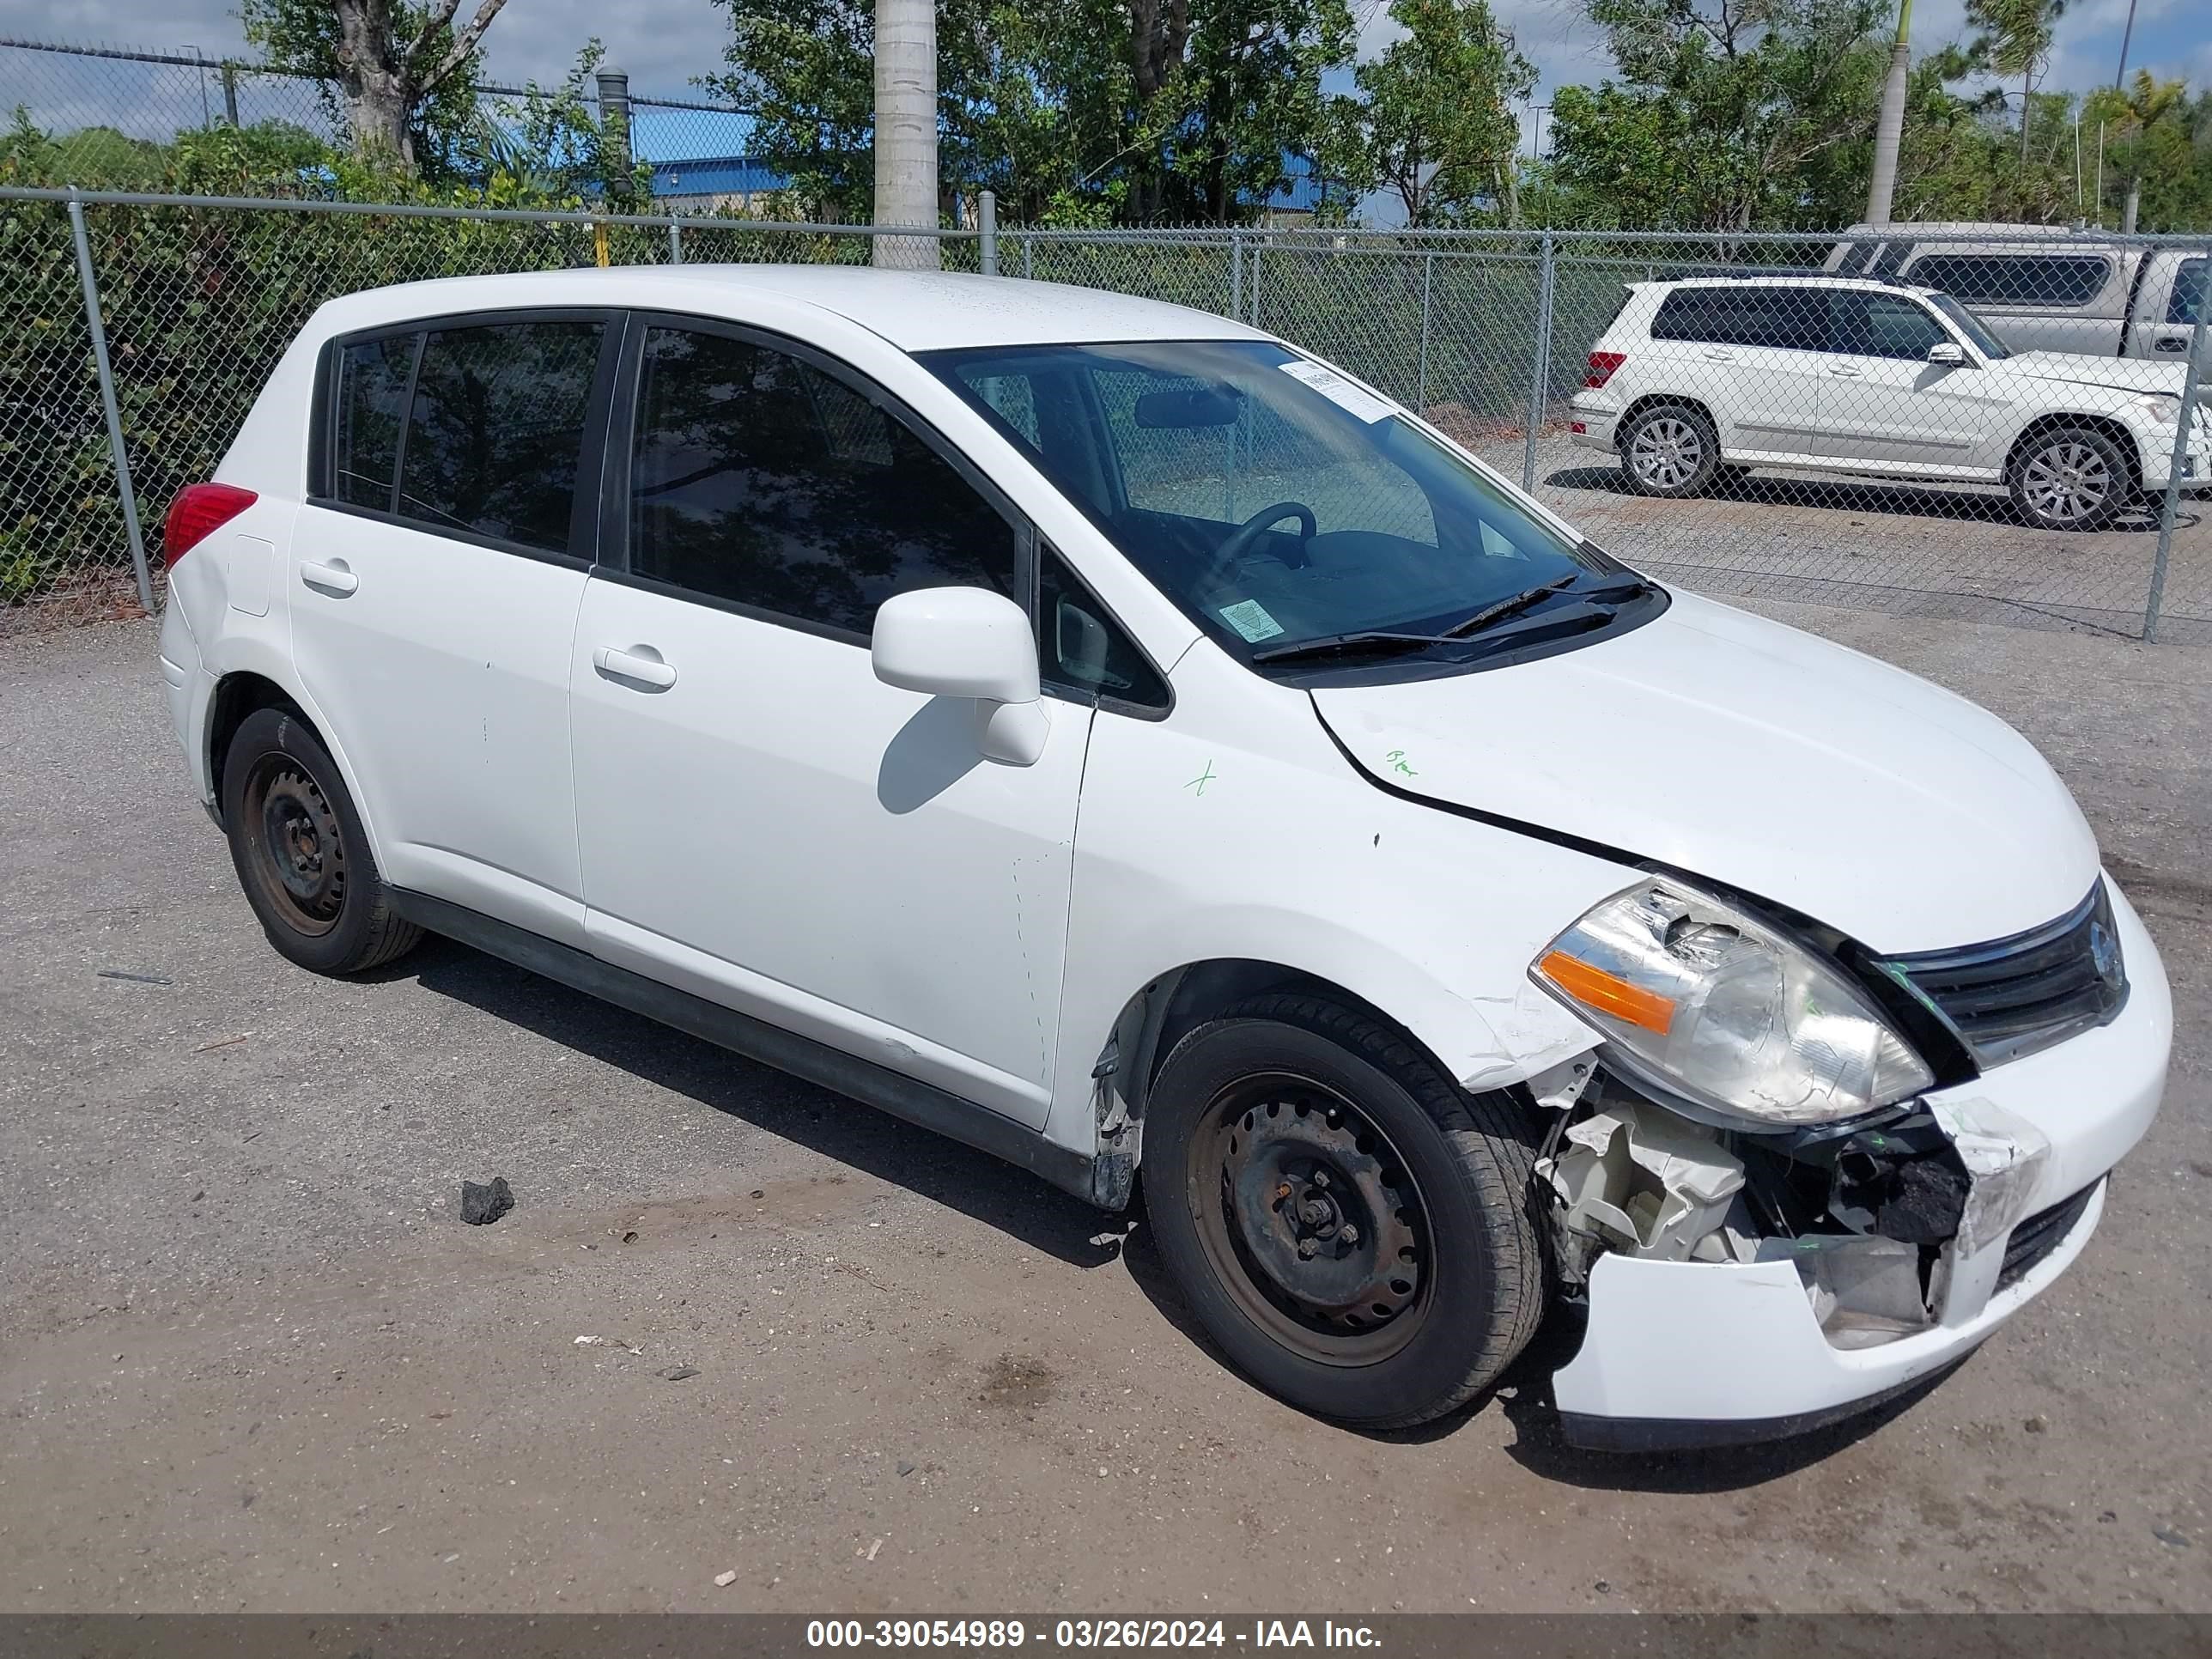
[1872,378]
[1096,731]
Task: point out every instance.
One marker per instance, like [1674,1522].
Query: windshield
[1971,327]
[1273,500]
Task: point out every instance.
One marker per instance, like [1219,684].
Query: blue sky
[664,44]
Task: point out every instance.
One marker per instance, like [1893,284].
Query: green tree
[1727,115]
[1432,124]
[405,76]
[2147,118]
[1072,110]
[2014,39]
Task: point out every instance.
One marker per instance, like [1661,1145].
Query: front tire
[2071,478]
[301,855]
[1352,1229]
[1670,451]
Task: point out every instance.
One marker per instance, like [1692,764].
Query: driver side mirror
[966,642]
[1948,355]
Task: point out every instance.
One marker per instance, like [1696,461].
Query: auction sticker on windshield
[1250,618]
[1338,390]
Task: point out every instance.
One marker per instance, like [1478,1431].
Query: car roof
[1987,229]
[915,311]
[1881,284]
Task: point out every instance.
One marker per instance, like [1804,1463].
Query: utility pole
[2127,34]
[1889,130]
[906,131]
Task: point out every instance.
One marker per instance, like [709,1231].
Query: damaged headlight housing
[1717,1007]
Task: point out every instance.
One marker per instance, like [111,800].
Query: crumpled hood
[1751,754]
[2119,374]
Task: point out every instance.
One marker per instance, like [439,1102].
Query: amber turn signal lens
[1608,992]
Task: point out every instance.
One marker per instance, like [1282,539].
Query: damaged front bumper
[1700,1334]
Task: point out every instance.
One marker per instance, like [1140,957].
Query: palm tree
[906,130]
[2014,39]
[2146,103]
[1889,130]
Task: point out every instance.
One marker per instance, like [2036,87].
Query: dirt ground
[250,1359]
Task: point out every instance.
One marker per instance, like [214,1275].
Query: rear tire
[301,856]
[1670,451]
[1355,1231]
[2071,478]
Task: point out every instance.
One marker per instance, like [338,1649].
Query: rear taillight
[1601,365]
[200,510]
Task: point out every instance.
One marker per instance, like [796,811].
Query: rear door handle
[1711,356]
[333,578]
[631,665]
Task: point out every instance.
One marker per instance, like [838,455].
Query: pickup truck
[2045,288]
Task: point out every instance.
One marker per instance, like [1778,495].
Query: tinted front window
[2188,298]
[497,430]
[372,398]
[2020,279]
[1971,327]
[1275,503]
[759,479]
[1870,324]
[1081,649]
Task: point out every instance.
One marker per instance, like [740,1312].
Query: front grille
[2040,1233]
[2015,996]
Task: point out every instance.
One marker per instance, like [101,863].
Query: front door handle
[2172,343]
[333,578]
[1718,357]
[635,666]
[1844,372]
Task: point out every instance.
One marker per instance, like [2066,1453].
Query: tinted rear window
[2059,280]
[496,431]
[372,399]
[1792,317]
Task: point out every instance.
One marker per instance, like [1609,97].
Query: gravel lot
[250,1359]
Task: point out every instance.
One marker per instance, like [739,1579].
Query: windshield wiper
[1519,602]
[1338,645]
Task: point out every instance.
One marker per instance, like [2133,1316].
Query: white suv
[1874,378]
[1100,732]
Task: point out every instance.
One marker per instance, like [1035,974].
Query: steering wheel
[1242,537]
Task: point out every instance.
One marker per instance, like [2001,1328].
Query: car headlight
[1725,1013]
[2163,410]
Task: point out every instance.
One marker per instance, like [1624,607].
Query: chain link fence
[1745,417]
[95,102]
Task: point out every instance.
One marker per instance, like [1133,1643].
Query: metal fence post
[108,405]
[1252,288]
[1539,383]
[1028,256]
[1236,273]
[986,227]
[2192,383]
[674,243]
[1428,279]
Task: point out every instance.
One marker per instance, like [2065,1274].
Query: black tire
[302,856]
[1668,450]
[2071,477]
[1475,1278]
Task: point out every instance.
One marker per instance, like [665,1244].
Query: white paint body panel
[804,843]
[1738,749]
[446,668]
[775,828]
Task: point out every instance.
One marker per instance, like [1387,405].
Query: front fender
[1289,856]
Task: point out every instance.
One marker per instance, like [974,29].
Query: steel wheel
[299,862]
[1666,452]
[2067,483]
[1320,1231]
